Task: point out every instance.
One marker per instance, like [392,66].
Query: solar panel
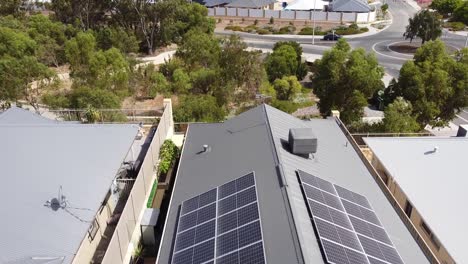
[222,225]
[349,231]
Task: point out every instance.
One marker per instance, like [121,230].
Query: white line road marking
[461,117]
[385,55]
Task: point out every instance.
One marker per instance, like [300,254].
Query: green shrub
[272,20]
[234,28]
[262,31]
[287,30]
[309,31]
[167,154]
[285,106]
[455,26]
[256,22]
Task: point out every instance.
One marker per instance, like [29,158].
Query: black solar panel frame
[373,229]
[197,212]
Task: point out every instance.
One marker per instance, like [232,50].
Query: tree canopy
[435,83]
[344,79]
[399,117]
[425,24]
[445,7]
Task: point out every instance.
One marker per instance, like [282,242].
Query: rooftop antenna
[57,202]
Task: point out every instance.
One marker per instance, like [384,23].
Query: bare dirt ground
[410,48]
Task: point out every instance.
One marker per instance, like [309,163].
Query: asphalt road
[377,43]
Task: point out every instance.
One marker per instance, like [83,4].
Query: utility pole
[313,26]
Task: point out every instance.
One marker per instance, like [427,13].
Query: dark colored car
[331,37]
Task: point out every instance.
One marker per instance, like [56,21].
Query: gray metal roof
[253,141]
[16,115]
[433,181]
[211,3]
[359,6]
[36,159]
[250,3]
[238,146]
[337,162]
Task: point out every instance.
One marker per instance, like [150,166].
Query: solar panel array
[349,230]
[221,226]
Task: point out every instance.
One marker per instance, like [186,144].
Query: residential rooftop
[429,171]
[257,141]
[43,159]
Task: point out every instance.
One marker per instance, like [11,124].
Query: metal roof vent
[302,141]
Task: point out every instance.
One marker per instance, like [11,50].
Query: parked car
[331,37]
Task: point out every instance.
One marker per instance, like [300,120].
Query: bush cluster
[167,154]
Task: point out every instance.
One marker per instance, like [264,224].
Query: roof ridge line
[284,191]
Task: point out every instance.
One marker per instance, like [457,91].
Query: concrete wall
[362,17]
[349,17]
[334,16]
[293,15]
[303,15]
[272,13]
[88,246]
[243,12]
[288,14]
[231,11]
[439,252]
[256,13]
[127,232]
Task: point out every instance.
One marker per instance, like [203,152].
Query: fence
[359,137]
[293,15]
[146,116]
[124,234]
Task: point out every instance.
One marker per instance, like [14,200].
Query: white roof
[434,182]
[307,5]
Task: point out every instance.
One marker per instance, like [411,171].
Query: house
[66,185]
[266,187]
[425,176]
[253,4]
[307,5]
[357,6]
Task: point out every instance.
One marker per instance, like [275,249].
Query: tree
[198,108]
[282,62]
[425,25]
[461,13]
[399,117]
[384,8]
[344,79]
[301,70]
[84,97]
[434,83]
[79,51]
[180,82]
[162,22]
[85,14]
[117,37]
[22,76]
[50,37]
[11,7]
[199,49]
[287,87]
[242,68]
[445,7]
